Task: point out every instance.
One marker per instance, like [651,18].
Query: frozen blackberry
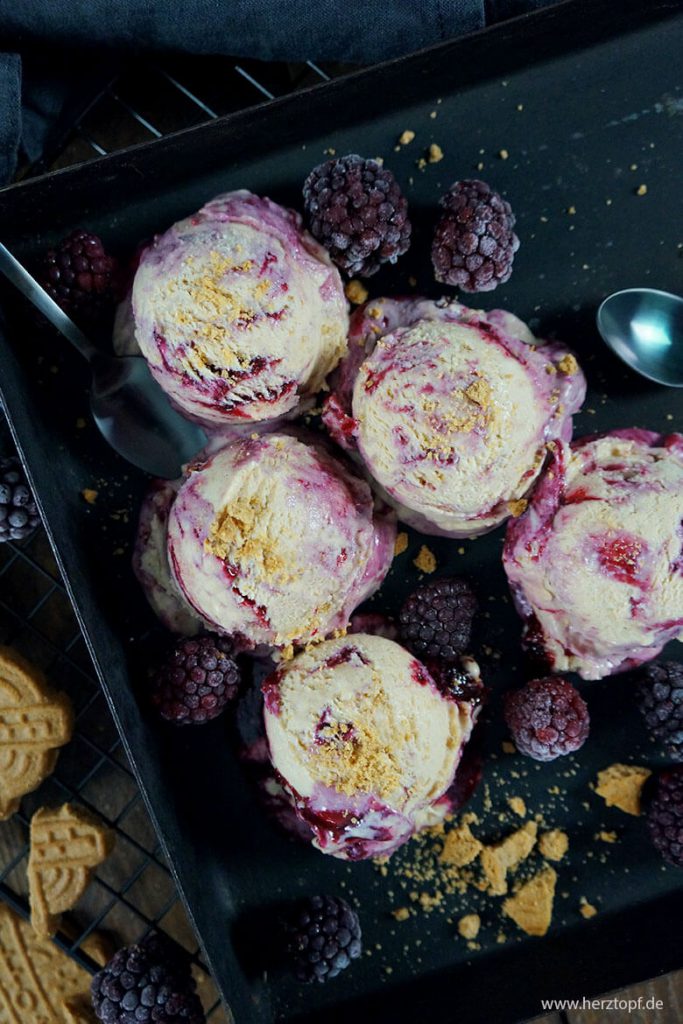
[665,816]
[149,983]
[197,680]
[547,718]
[436,620]
[81,277]
[474,242]
[323,937]
[356,209]
[660,695]
[18,512]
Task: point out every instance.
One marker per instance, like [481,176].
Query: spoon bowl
[130,409]
[644,327]
[135,416]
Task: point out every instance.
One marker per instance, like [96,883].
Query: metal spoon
[132,412]
[644,327]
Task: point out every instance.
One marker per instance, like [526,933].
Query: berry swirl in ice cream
[364,742]
[596,562]
[239,311]
[275,542]
[451,409]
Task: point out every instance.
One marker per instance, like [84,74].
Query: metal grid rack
[133,891]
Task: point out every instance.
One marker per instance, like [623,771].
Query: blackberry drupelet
[81,277]
[355,208]
[665,816]
[18,512]
[149,983]
[323,937]
[197,680]
[474,242]
[660,695]
[547,718]
[436,620]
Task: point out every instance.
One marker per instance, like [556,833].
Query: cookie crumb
[607,837]
[587,909]
[517,806]
[356,292]
[517,507]
[571,210]
[401,543]
[406,137]
[503,154]
[400,914]
[531,908]
[469,925]
[554,844]
[89,495]
[568,364]
[426,560]
[421,163]
[641,190]
[621,785]
[508,748]
[435,153]
[460,847]
[498,859]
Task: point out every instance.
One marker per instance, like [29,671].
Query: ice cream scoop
[364,742]
[275,542]
[595,564]
[239,311]
[451,409]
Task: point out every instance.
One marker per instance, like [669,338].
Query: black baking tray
[586,100]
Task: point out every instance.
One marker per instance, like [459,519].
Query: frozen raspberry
[547,718]
[665,816]
[149,983]
[356,209]
[198,679]
[18,512]
[474,242]
[323,937]
[436,620]
[660,695]
[81,277]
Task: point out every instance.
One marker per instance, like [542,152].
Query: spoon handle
[36,294]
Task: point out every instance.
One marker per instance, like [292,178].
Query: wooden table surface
[109,129]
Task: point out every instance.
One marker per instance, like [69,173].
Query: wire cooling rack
[133,891]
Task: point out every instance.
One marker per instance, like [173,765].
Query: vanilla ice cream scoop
[239,311]
[451,409]
[596,562]
[364,742]
[275,542]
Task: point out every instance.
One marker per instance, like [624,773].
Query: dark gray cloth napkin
[53,51]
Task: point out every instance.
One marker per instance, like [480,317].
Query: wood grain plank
[636,1004]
